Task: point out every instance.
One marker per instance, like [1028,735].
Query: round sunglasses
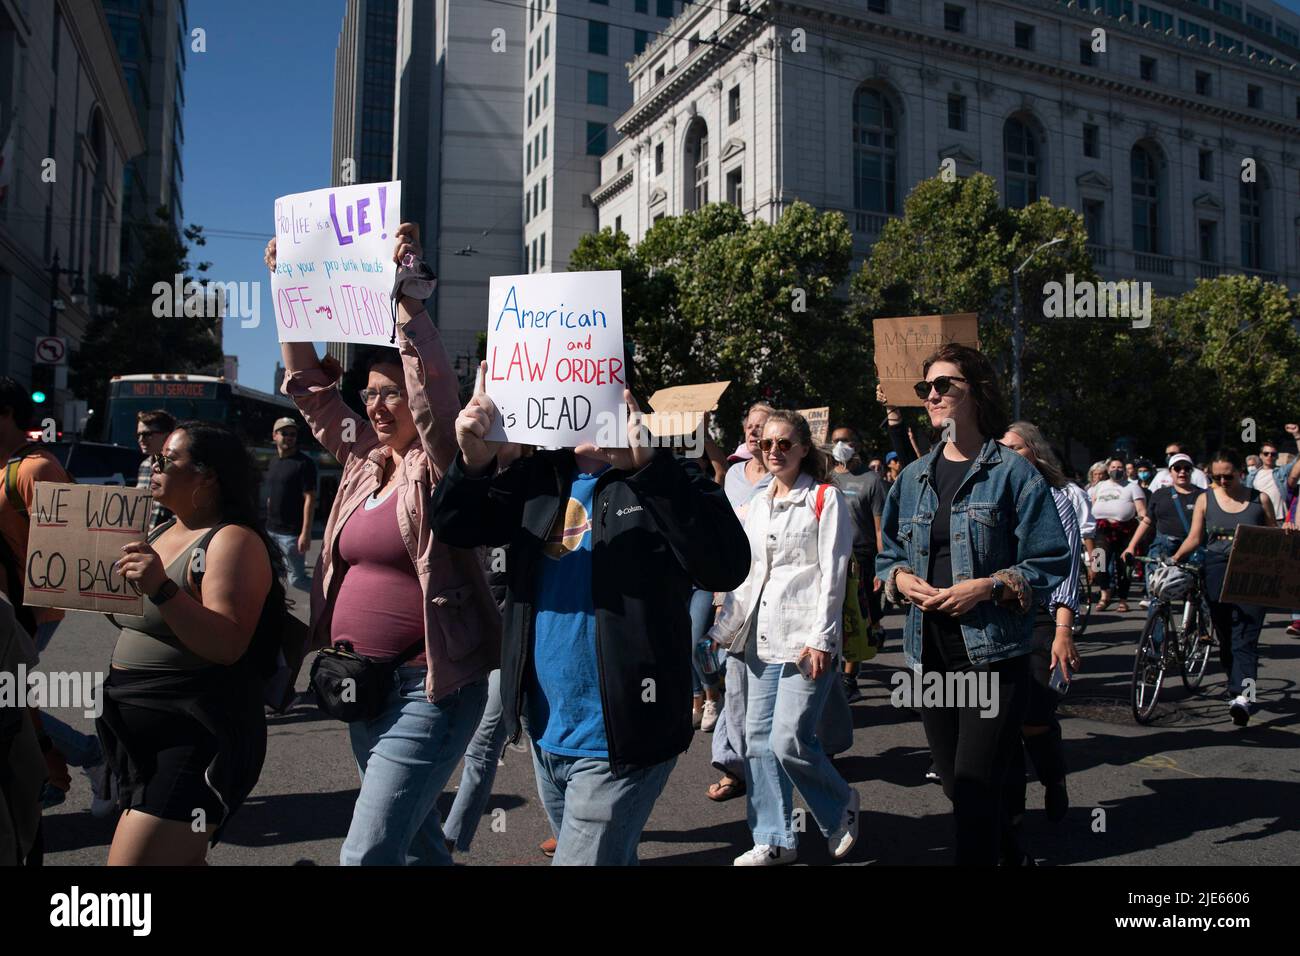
[784,444]
[940,383]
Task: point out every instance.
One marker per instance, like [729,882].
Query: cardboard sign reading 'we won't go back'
[555,359]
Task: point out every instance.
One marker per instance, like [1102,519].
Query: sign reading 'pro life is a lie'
[334,263]
[555,359]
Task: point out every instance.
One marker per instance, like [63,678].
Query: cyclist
[1228,506]
[1169,512]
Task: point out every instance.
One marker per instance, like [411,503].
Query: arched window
[875,151]
[1254,205]
[1020,164]
[697,165]
[1144,169]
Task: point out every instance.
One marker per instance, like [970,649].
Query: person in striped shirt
[1053,647]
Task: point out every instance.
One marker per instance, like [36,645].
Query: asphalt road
[1191,789]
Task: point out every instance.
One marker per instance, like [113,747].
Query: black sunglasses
[940,383]
[1223,479]
[1181,468]
[784,444]
[165,465]
[152,431]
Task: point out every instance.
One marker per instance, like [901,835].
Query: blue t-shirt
[564,711]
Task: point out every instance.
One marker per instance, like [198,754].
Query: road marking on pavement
[1162,762]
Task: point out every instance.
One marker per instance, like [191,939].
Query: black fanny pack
[350,686]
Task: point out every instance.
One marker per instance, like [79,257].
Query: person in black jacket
[605,547]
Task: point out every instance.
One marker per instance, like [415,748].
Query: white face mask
[1252,469]
[842,452]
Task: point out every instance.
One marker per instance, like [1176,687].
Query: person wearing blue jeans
[480,771]
[294,560]
[406,756]
[704,686]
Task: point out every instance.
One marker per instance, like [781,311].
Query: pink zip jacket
[462,626]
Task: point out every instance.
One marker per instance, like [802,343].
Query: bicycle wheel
[1148,669]
[1195,645]
[1085,604]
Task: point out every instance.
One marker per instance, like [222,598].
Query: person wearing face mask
[1218,515]
[387,586]
[786,621]
[971,541]
[864,494]
[1117,504]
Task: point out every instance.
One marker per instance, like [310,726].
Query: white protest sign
[555,359]
[334,263]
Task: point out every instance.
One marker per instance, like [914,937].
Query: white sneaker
[1239,710]
[1145,602]
[100,808]
[709,719]
[764,855]
[846,835]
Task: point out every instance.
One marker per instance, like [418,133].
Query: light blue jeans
[78,749]
[480,770]
[701,619]
[729,734]
[782,752]
[596,817]
[294,561]
[405,757]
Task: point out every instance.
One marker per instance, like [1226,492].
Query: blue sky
[258,124]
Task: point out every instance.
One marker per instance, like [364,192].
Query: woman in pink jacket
[384,584]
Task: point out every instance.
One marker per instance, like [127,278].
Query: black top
[943,647]
[1164,510]
[287,480]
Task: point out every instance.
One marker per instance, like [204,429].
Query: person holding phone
[786,620]
[972,541]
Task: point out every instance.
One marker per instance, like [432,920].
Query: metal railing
[1157,264]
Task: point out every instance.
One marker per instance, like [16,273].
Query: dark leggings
[1045,749]
[973,755]
[1237,627]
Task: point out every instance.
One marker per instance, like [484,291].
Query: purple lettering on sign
[334,218]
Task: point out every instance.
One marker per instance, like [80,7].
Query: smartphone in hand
[1058,681]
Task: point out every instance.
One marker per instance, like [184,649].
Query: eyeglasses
[940,383]
[784,444]
[141,436]
[391,395]
[1223,479]
[163,464]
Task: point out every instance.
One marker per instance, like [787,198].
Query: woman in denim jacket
[972,541]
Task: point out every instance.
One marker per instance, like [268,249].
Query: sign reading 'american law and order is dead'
[904,343]
[555,359]
[76,536]
[334,263]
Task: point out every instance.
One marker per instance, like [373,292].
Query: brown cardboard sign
[903,343]
[76,536]
[679,410]
[819,422]
[1263,568]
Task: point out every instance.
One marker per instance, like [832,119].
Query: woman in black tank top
[1228,505]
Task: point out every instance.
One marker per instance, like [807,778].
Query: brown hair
[990,408]
[157,420]
[814,462]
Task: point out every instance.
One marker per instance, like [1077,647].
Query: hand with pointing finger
[472,426]
[633,458]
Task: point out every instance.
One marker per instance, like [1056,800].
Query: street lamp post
[1018,326]
[56,303]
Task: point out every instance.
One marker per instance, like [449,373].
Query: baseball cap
[283,423]
[1175,459]
[890,457]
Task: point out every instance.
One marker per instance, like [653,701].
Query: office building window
[530,110]
[956,111]
[530,63]
[954,18]
[595,139]
[1204,85]
[528,205]
[733,104]
[618,225]
[664,8]
[1159,19]
[1144,169]
[603,3]
[1252,222]
[640,40]
[1024,36]
[735,187]
[642,6]
[1207,240]
[875,152]
[1254,96]
[597,88]
[659,73]
[659,159]
[1086,56]
[543,194]
[1091,141]
[877,6]
[598,37]
[546,42]
[537,207]
[1187,29]
[619,163]
[1205,164]
[1020,149]
[697,164]
[1147,68]
[541,255]
[1094,221]
[532,257]
[546,90]
[545,136]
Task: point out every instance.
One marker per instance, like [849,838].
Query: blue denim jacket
[1004,523]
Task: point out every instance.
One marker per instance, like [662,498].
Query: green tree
[125,337]
[711,296]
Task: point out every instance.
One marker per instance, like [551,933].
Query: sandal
[724,790]
[1122,607]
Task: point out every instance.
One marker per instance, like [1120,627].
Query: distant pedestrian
[291,500]
[151,431]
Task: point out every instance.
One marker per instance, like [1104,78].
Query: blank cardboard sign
[903,343]
[678,410]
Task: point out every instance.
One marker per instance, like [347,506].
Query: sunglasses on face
[784,444]
[142,436]
[1223,479]
[390,395]
[163,464]
[940,383]
[1181,469]
[1268,454]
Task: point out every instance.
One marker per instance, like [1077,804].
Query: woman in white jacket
[786,620]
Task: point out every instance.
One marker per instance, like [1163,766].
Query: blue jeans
[729,734]
[480,770]
[294,561]
[596,817]
[701,619]
[782,752]
[405,757]
[78,749]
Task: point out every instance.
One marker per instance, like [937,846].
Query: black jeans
[973,753]
[1237,627]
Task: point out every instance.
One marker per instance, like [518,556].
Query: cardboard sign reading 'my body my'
[334,263]
[902,344]
[77,533]
[555,359]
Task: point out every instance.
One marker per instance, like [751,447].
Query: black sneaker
[851,689]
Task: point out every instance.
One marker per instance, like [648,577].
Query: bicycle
[1186,639]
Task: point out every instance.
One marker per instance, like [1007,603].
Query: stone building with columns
[1172,127]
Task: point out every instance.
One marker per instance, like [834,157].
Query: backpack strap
[820,501]
[1178,509]
[11,478]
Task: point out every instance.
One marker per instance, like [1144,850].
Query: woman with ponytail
[183,727]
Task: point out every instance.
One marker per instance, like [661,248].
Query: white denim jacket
[797,575]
